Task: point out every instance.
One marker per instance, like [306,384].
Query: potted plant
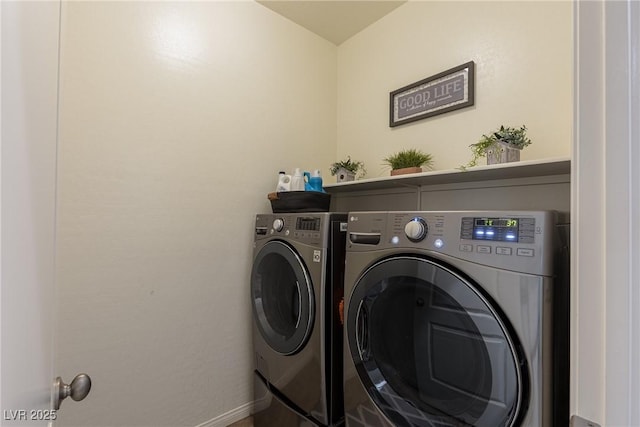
[409,161]
[347,170]
[501,146]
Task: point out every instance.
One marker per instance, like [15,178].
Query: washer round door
[282,294]
[431,350]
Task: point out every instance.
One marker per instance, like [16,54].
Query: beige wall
[523,55]
[174,121]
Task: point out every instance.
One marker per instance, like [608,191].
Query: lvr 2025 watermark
[29,415]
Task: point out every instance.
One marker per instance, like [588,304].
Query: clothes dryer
[296,287]
[449,320]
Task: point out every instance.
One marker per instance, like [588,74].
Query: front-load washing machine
[449,320]
[296,288]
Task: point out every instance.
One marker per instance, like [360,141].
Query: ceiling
[334,20]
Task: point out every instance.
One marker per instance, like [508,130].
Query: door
[431,349]
[29,127]
[282,297]
[30,43]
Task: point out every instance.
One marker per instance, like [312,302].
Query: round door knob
[77,390]
[416,229]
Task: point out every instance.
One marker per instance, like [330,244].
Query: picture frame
[447,91]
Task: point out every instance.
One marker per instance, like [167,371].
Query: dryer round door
[431,350]
[282,295]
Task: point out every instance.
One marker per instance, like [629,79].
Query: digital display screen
[308,224]
[496,222]
[495,229]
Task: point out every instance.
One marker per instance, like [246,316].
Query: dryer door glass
[430,349]
[283,303]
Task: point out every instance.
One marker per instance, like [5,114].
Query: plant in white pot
[502,146]
[409,161]
[347,170]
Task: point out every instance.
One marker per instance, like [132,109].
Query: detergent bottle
[284,182]
[313,181]
[297,181]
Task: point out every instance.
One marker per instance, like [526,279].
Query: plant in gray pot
[502,146]
[409,161]
[347,170]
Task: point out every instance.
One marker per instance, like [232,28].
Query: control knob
[278,224]
[416,229]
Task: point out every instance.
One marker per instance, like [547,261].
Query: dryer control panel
[309,228]
[518,240]
[302,228]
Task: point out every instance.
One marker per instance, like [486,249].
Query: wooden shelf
[523,169]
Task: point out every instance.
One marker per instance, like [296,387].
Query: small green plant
[355,167]
[514,137]
[409,159]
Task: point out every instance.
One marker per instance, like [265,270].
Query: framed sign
[447,91]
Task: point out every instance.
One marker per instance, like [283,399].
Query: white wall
[523,56]
[174,121]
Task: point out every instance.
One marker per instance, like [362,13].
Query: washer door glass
[283,303]
[430,349]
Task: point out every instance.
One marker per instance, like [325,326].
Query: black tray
[299,201]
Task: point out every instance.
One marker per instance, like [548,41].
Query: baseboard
[230,417]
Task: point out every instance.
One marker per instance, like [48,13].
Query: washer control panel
[309,228]
[517,240]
